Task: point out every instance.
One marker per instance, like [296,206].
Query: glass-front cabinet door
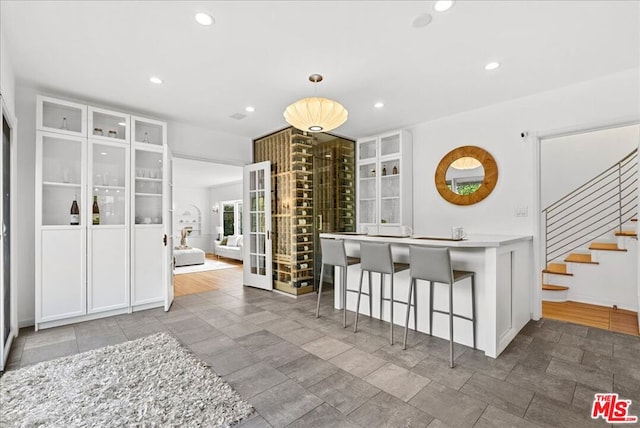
[108,213]
[61,117]
[61,226]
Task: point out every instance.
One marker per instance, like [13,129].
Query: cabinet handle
[164,239]
[319,221]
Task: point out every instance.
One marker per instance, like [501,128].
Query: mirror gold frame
[488,184]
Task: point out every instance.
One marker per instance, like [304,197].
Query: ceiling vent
[238,116]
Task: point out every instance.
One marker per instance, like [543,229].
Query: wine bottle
[395,170]
[75,212]
[64,124]
[384,170]
[96,210]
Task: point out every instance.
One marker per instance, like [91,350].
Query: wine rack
[312,182]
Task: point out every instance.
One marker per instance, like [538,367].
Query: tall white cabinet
[88,271]
[384,183]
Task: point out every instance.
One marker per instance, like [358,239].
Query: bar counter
[503,268]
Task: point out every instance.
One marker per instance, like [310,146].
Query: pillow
[224,241]
[240,241]
[232,241]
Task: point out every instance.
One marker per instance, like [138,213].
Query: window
[231,217]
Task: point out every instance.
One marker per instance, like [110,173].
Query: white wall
[183,138]
[570,161]
[7,76]
[497,129]
[217,194]
[192,141]
[184,198]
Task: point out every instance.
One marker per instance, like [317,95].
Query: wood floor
[618,320]
[199,282]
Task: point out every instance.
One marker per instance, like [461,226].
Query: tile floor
[299,371]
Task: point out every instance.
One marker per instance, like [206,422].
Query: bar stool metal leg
[391,312]
[355,323]
[415,307]
[430,308]
[451,325]
[381,292]
[319,291]
[343,272]
[412,286]
[473,308]
[370,295]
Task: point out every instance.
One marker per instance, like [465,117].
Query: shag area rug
[208,265]
[149,382]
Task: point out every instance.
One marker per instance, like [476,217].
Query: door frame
[12,121]
[535,138]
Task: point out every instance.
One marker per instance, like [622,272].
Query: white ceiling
[197,174]
[261,53]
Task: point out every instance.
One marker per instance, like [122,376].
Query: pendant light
[315,114]
[466,163]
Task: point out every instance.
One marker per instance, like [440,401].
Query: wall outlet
[522,211]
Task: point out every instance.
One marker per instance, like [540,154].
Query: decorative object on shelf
[316,114]
[64,125]
[481,189]
[95,211]
[384,170]
[146,139]
[373,173]
[75,212]
[394,171]
[97,131]
[66,175]
[113,134]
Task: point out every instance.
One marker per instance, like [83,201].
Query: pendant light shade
[315,114]
[466,163]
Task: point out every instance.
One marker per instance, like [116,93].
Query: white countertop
[471,241]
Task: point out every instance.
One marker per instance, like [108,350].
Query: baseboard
[27,323]
[606,303]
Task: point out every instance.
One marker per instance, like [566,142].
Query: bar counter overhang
[503,266]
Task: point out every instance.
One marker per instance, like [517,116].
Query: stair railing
[597,207]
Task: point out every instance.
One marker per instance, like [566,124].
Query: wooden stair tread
[551,287]
[631,233]
[557,269]
[580,258]
[605,246]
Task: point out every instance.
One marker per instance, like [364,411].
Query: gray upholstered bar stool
[334,254]
[434,265]
[376,257]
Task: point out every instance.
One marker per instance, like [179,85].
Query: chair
[376,257]
[434,265]
[334,254]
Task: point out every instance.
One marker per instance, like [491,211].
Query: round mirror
[466,175]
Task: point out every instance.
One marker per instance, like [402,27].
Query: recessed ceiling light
[442,5]
[204,19]
[155,80]
[103,153]
[492,66]
[379,104]
[122,124]
[422,20]
[250,109]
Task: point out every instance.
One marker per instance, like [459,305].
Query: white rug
[152,381]
[208,265]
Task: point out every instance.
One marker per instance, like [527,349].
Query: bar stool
[376,257]
[434,265]
[334,254]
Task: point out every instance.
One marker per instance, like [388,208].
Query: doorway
[589,232]
[202,190]
[8,297]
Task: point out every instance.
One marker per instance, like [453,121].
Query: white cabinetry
[148,256]
[90,270]
[384,183]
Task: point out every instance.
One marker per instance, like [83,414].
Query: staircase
[592,228]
